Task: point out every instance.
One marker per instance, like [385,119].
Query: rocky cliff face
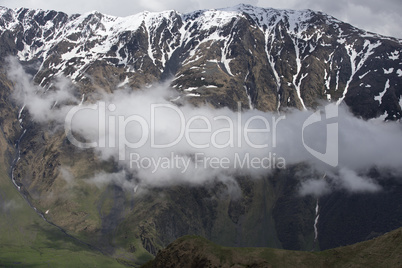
[267,59]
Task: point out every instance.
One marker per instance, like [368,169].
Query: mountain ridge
[266,59]
[193,251]
[156,45]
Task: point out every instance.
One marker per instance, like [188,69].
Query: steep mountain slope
[267,59]
[26,240]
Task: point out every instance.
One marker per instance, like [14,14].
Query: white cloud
[314,187]
[341,179]
[125,122]
[44,105]
[350,180]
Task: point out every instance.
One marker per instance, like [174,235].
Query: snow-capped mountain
[268,59]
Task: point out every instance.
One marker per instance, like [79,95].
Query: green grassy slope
[195,251]
[26,240]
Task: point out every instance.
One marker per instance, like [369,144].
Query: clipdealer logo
[330,156]
[240,132]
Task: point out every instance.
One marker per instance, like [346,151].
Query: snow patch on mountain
[379,97]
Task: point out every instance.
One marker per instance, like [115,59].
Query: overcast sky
[382,17]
